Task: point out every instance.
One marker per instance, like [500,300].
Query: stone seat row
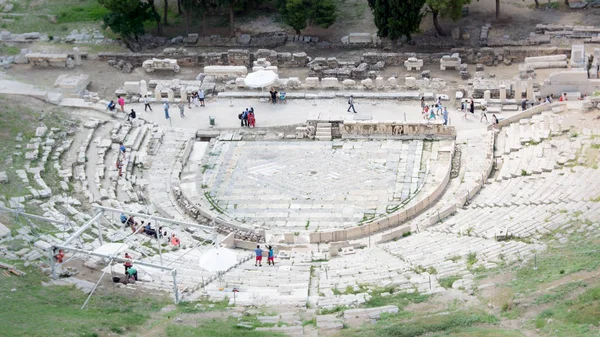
[521,220]
[448,253]
[557,186]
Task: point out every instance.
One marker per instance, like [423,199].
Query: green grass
[216,328]
[578,317]
[450,324]
[36,310]
[202,306]
[447,282]
[400,299]
[9,50]
[480,332]
[577,255]
[559,293]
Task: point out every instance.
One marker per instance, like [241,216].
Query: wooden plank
[12,269]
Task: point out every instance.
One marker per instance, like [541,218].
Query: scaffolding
[102,211]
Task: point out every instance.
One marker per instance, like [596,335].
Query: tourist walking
[201,97]
[351,104]
[445,116]
[438,106]
[472,107]
[271,258]
[188,98]
[121,102]
[195,99]
[465,110]
[181,106]
[483,114]
[259,253]
[422,102]
[166,107]
[147,104]
[431,114]
[524,104]
[494,120]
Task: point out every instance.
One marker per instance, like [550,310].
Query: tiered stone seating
[526,206]
[371,267]
[447,253]
[286,283]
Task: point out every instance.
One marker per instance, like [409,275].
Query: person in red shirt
[127,264]
[563,97]
[60,256]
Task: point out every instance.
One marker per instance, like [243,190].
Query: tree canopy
[127,17]
[451,9]
[300,13]
[397,18]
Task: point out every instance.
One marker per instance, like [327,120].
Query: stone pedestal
[502,93]
[487,95]
[157,92]
[183,93]
[518,91]
[530,96]
[170,95]
[77,56]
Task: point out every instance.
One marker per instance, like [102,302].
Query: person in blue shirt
[259,253]
[271,258]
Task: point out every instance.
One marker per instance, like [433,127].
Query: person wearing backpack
[351,104]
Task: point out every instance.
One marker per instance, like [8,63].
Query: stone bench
[160,64]
[49,60]
[226,71]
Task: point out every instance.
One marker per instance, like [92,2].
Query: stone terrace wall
[234,57]
[396,130]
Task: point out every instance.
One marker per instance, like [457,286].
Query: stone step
[323,125]
[326,138]
[323,134]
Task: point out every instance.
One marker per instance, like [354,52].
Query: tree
[127,17]
[156,17]
[301,13]
[397,18]
[166,11]
[446,9]
[230,4]
[295,15]
[323,13]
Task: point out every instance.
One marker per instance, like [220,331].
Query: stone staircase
[323,131]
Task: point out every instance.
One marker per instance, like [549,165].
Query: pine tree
[397,18]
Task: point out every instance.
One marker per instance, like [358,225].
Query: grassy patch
[577,255]
[216,328]
[447,282]
[400,299]
[202,306]
[36,310]
[452,323]
[559,293]
[9,50]
[578,317]
[481,332]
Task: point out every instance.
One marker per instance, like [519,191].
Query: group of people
[430,113]
[247,118]
[259,255]
[468,106]
[146,228]
[196,98]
